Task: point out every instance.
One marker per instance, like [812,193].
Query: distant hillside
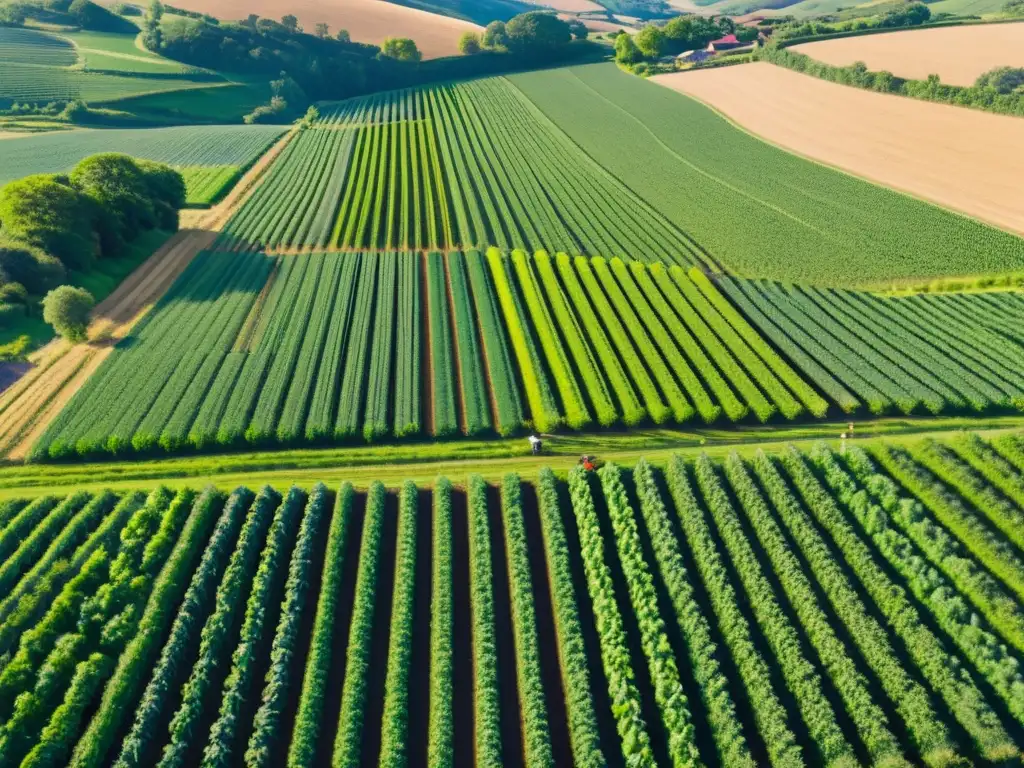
[367,21]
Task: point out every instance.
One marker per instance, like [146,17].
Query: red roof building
[725,43]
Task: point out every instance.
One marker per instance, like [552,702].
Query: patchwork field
[336,347]
[890,140]
[368,21]
[40,67]
[956,54]
[757,210]
[805,608]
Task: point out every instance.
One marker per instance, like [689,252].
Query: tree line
[52,225]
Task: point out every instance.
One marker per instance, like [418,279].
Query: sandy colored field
[60,369]
[962,159]
[569,6]
[367,21]
[956,54]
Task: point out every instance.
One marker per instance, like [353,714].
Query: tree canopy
[67,309]
[400,49]
[536,32]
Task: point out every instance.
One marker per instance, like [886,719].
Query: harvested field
[884,138]
[368,21]
[956,54]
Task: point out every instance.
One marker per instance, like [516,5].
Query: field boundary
[844,171]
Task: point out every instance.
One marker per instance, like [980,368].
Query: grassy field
[758,210]
[180,146]
[222,104]
[423,460]
[205,185]
[740,610]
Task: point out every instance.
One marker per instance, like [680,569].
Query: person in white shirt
[535,444]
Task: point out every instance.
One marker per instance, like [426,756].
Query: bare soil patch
[367,21]
[956,54]
[962,159]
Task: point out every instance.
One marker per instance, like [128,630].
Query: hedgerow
[615,656]
[266,731]
[395,747]
[140,743]
[349,738]
[441,729]
[224,744]
[769,714]
[935,663]
[536,731]
[219,630]
[486,697]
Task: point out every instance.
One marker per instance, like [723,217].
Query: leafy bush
[67,309]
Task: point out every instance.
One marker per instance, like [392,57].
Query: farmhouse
[693,57]
[726,43]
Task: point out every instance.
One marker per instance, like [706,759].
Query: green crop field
[926,354]
[758,210]
[205,185]
[237,145]
[793,608]
[25,46]
[334,347]
[95,67]
[466,166]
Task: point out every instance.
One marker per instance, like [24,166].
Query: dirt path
[962,159]
[60,369]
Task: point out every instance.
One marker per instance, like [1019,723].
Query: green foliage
[266,730]
[395,736]
[352,719]
[217,633]
[627,51]
[668,688]
[67,309]
[240,688]
[615,656]
[28,266]
[47,213]
[495,35]
[441,728]
[400,49]
[714,690]
[140,743]
[536,33]
[536,731]
[470,44]
[650,40]
[124,687]
[303,747]
[486,694]
[998,90]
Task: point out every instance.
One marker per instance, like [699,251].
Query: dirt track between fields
[367,21]
[956,54]
[961,159]
[60,369]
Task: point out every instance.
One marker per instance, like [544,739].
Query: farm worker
[587,462]
[535,444]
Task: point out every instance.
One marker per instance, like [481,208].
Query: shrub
[67,309]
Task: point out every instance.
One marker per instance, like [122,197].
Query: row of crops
[205,185]
[470,165]
[804,608]
[214,145]
[759,210]
[925,354]
[260,349]
[40,67]
[25,46]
